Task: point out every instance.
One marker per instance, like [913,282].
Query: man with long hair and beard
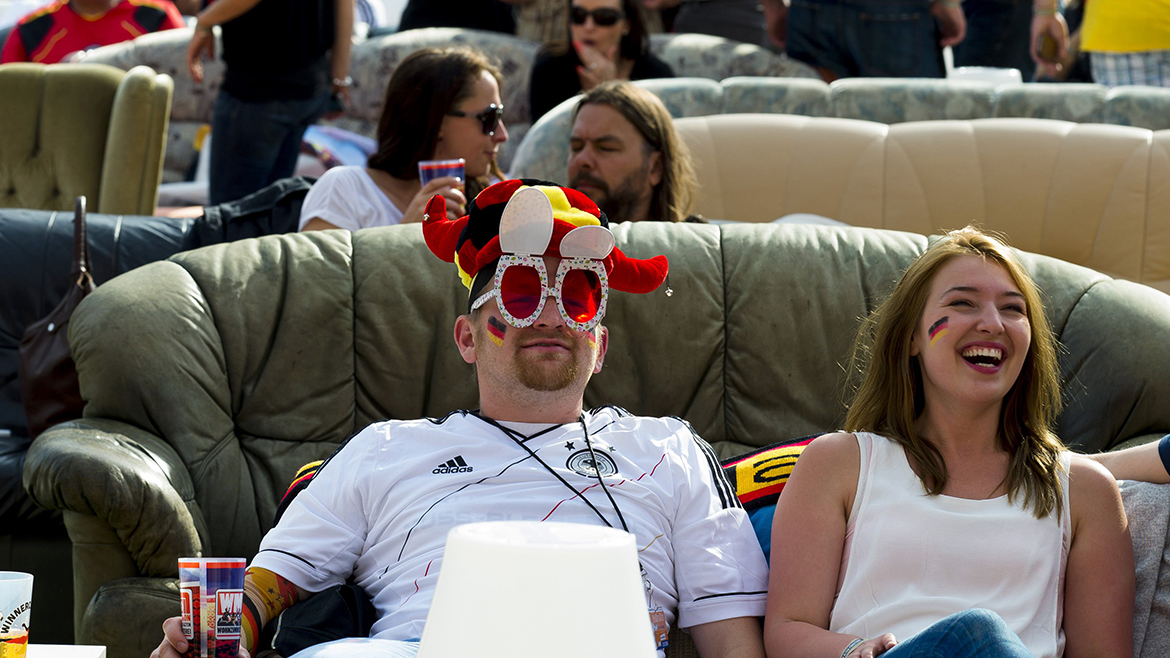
[625,155]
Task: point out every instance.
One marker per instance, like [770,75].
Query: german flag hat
[539,219]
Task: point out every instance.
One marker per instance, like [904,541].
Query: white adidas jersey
[381,506]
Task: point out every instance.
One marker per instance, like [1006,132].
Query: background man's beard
[617,204]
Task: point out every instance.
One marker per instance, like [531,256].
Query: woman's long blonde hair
[890,397]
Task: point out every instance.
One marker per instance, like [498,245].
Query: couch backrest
[1086,193]
[254,357]
[885,100]
[76,130]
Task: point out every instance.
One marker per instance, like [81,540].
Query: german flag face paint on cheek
[496,331]
[938,329]
[592,341]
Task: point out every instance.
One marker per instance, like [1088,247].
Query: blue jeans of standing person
[866,38]
[255,144]
[975,633]
[999,33]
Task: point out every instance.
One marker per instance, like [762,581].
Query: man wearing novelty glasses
[539,262]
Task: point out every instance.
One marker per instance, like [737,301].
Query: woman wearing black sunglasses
[607,40]
[460,115]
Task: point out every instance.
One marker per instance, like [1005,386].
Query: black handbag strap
[82,267]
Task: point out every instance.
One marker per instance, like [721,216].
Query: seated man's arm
[720,573]
[738,637]
[266,595]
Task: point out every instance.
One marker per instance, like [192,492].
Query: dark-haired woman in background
[608,41]
[440,104]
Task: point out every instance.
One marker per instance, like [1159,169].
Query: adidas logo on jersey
[456,465]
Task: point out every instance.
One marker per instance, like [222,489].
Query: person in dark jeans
[998,34]
[738,20]
[492,15]
[285,58]
[874,38]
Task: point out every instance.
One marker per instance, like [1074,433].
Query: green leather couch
[210,378]
[74,129]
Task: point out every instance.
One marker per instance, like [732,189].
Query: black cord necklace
[597,472]
[519,439]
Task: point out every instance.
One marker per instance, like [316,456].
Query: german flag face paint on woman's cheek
[496,329]
[938,329]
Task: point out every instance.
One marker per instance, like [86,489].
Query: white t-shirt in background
[348,198]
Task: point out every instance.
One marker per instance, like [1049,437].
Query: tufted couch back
[82,129]
[210,378]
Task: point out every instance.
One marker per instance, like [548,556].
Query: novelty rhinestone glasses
[581,290]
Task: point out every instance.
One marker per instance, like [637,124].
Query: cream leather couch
[1091,194]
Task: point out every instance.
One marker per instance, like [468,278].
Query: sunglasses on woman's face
[604,17]
[490,118]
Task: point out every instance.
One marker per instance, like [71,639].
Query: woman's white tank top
[911,559]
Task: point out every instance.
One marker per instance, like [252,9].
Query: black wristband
[1164,452]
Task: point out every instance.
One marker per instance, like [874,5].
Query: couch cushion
[1082,103]
[1140,106]
[776,96]
[894,100]
[758,167]
[716,58]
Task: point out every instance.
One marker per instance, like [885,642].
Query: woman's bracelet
[950,4]
[851,647]
[1044,11]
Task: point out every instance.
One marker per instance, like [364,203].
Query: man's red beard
[537,378]
[532,373]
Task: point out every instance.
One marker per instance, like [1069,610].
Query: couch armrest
[126,615]
[135,143]
[126,477]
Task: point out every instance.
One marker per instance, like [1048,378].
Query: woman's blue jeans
[975,633]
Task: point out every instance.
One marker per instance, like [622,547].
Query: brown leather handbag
[48,376]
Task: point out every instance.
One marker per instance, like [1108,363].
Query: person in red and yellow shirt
[51,33]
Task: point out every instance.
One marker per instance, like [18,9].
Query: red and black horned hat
[472,242]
